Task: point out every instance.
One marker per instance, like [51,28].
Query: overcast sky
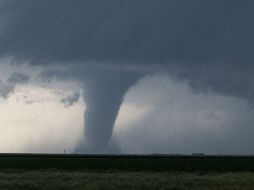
[130,76]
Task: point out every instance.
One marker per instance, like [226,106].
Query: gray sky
[118,51]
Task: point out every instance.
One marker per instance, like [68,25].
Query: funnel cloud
[108,46]
[103,96]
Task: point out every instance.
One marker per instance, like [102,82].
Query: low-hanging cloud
[7,87]
[70,100]
[108,46]
[18,78]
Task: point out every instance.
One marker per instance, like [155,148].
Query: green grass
[59,180]
[141,163]
[61,172]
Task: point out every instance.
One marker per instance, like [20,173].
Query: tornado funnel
[103,96]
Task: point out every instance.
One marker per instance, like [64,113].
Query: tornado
[106,45]
[103,96]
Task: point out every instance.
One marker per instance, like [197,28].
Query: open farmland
[36,171]
[55,179]
[155,163]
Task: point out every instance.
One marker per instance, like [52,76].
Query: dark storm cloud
[7,87]
[208,43]
[129,31]
[192,38]
[71,100]
[18,78]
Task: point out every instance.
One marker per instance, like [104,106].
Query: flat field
[125,172]
[58,180]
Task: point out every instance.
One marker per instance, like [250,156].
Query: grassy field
[128,163]
[58,180]
[125,172]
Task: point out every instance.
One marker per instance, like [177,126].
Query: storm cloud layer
[129,31]
[109,45]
